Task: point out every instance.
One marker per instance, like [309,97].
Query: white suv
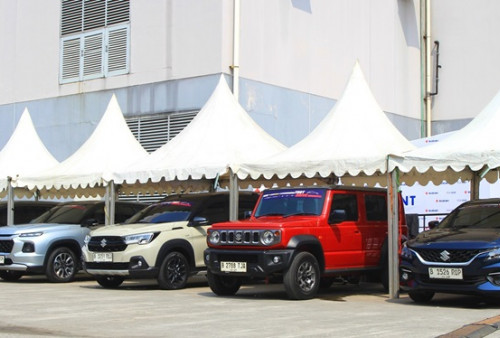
[164,241]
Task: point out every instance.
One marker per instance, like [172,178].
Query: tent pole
[10,202]
[110,203]
[393,232]
[233,196]
[474,185]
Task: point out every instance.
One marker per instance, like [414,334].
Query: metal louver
[154,131]
[117,50]
[92,56]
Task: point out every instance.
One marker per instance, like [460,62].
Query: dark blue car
[461,254]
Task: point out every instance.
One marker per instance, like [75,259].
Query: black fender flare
[310,244]
[180,245]
[68,243]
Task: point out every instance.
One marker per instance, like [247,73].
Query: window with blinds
[95,39]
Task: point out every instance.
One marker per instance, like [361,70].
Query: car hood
[270,222]
[136,228]
[470,237]
[17,229]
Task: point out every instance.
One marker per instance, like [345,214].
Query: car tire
[62,265]
[10,276]
[174,272]
[223,285]
[421,296]
[302,279]
[109,282]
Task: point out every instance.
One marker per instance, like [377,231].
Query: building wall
[469,53]
[295,59]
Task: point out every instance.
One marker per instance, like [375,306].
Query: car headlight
[31,234]
[214,237]
[270,237]
[494,254]
[86,240]
[139,238]
[406,253]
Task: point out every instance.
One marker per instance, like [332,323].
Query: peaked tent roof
[110,147]
[467,150]
[222,133]
[353,139]
[23,154]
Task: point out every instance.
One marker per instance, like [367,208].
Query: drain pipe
[428,69]
[236,50]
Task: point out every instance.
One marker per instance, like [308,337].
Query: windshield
[64,214]
[290,202]
[477,216]
[170,211]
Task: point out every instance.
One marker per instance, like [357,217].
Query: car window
[347,203]
[64,214]
[376,208]
[124,211]
[167,211]
[480,216]
[289,202]
[216,211]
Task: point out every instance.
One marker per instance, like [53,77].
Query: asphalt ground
[34,307]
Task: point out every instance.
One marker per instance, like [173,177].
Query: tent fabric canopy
[474,148]
[24,154]
[221,133]
[352,141]
[86,172]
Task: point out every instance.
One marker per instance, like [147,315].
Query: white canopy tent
[471,153]
[221,133]
[467,154]
[23,154]
[87,172]
[351,142]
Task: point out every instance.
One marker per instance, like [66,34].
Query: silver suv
[51,244]
[165,241]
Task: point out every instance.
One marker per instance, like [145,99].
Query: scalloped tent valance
[353,141]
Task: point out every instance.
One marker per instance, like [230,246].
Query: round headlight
[267,237]
[214,237]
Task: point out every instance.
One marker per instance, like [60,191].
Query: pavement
[34,307]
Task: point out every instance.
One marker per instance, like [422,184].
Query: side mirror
[247,214]
[198,220]
[89,222]
[337,216]
[432,224]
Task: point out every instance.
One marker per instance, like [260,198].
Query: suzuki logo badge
[103,242]
[445,256]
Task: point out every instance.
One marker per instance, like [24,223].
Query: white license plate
[446,273]
[233,266]
[2,259]
[103,257]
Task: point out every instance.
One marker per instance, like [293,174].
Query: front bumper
[477,279]
[17,260]
[126,263]
[260,264]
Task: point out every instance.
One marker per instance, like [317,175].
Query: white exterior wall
[314,51]
[469,52]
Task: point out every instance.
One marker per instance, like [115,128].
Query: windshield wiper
[270,214]
[302,214]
